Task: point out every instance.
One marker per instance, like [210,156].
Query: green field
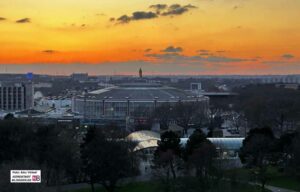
[275,178]
[189,187]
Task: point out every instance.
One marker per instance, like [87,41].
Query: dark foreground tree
[194,142]
[58,153]
[257,152]
[106,160]
[289,146]
[199,155]
[168,153]
[16,140]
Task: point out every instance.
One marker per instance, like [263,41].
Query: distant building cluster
[125,100]
[282,79]
[80,76]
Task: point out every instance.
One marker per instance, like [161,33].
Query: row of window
[11,98]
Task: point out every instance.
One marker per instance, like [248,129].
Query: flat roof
[141,93]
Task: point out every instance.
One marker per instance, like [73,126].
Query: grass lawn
[285,182]
[276,178]
[155,187]
[133,187]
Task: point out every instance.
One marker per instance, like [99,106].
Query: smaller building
[55,102]
[226,147]
[146,143]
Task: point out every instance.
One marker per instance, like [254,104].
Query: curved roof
[141,92]
[146,144]
[140,136]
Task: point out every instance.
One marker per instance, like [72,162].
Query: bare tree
[257,151]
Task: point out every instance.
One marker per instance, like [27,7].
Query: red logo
[36,178]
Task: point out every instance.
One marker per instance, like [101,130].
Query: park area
[188,186]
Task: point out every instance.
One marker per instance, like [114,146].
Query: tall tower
[141,73]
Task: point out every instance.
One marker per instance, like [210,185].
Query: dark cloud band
[159,10]
[24,20]
[172,49]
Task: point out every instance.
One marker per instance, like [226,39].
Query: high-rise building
[16,96]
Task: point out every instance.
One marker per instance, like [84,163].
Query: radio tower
[141,73]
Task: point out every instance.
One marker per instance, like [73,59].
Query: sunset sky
[161,36]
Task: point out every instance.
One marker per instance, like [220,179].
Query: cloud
[2,18]
[287,56]
[177,9]
[236,7]
[159,10]
[24,20]
[124,19]
[143,15]
[217,59]
[205,54]
[203,51]
[148,50]
[180,58]
[158,7]
[50,51]
[172,49]
[138,15]
[166,56]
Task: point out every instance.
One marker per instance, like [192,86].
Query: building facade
[128,100]
[16,96]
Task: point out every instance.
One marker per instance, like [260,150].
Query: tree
[6,186]
[16,140]
[48,147]
[164,115]
[194,142]
[105,160]
[289,148]
[185,113]
[267,105]
[86,155]
[9,116]
[168,153]
[257,151]
[199,155]
[202,161]
[295,157]
[57,151]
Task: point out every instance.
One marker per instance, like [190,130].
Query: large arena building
[126,100]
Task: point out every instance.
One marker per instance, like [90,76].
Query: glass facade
[95,109]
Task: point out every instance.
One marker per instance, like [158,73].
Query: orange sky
[235,36]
